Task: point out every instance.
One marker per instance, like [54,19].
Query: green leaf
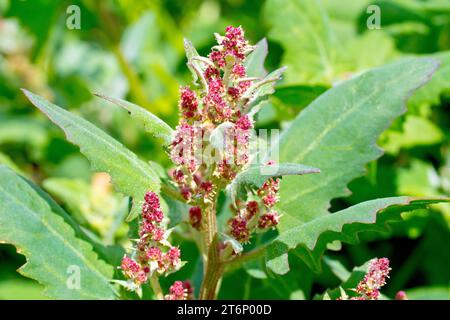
[254,63]
[132,176]
[294,98]
[255,176]
[49,244]
[431,92]
[303,29]
[311,238]
[322,51]
[261,90]
[416,131]
[152,124]
[429,293]
[19,289]
[258,93]
[338,132]
[194,65]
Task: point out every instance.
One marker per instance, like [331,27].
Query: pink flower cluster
[369,287]
[152,253]
[180,290]
[256,214]
[203,110]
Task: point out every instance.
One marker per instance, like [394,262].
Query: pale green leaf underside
[192,64]
[254,63]
[255,176]
[49,244]
[132,176]
[152,124]
[310,239]
[338,132]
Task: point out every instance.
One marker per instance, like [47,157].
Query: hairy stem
[253,254]
[156,287]
[213,266]
[213,272]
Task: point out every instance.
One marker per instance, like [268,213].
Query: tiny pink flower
[244,123]
[152,200]
[234,92]
[268,220]
[186,192]
[238,71]
[239,229]
[141,277]
[129,267]
[177,292]
[211,73]
[218,58]
[158,234]
[188,289]
[401,295]
[206,186]
[270,200]
[375,278]
[195,217]
[188,103]
[172,258]
[154,254]
[178,176]
[252,209]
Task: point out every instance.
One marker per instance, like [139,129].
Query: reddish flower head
[244,123]
[195,217]
[239,229]
[129,267]
[252,209]
[188,103]
[177,291]
[268,220]
[375,278]
[154,254]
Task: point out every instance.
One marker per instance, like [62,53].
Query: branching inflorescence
[219,107]
[369,287]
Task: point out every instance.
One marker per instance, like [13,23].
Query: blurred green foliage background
[134,50]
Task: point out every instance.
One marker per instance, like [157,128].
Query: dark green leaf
[53,252]
[131,176]
[311,238]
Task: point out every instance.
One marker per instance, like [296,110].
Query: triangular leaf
[338,132]
[132,176]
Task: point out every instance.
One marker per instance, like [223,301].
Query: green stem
[213,266]
[154,282]
[213,273]
[236,262]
